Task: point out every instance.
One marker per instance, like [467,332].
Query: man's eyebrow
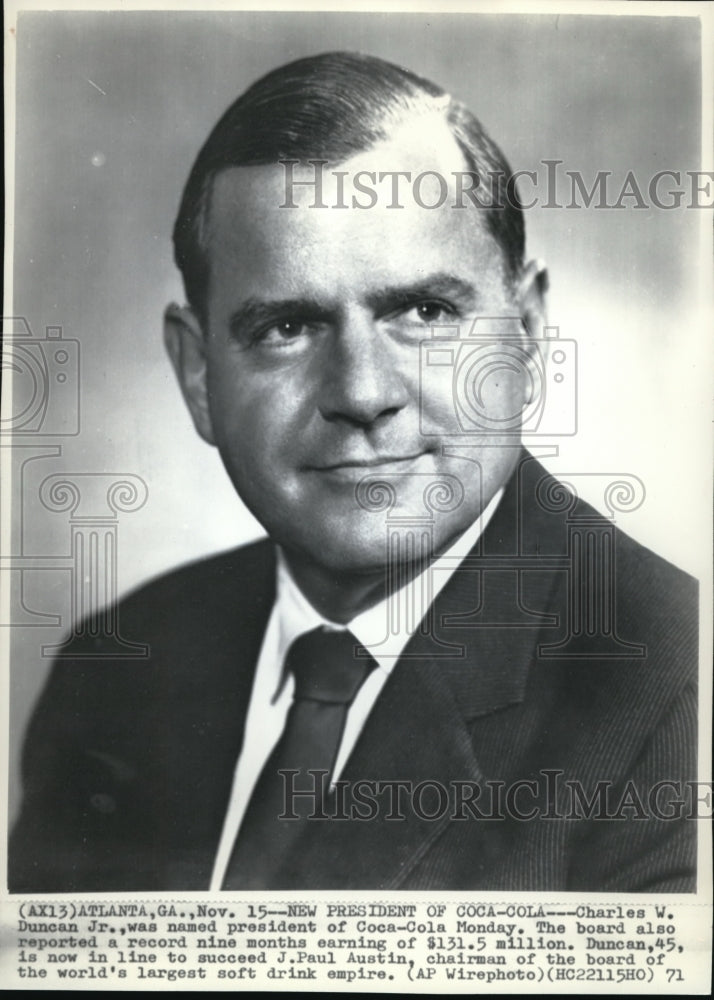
[254,312]
[432,286]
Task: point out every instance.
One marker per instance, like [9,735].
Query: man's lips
[373,465]
[376,463]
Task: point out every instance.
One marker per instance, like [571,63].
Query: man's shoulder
[224,576]
[613,594]
[653,574]
[186,610]
[645,584]
[172,637]
[567,523]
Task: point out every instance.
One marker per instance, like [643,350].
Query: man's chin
[350,558]
[369,543]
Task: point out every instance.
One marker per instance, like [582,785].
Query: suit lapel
[496,610]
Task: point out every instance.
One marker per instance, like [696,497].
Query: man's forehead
[422,146]
[253,237]
[276,224]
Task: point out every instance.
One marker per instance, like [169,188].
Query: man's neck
[339,597]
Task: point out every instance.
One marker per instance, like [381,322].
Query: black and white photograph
[356,443]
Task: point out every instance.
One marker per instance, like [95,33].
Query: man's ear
[530,296]
[186,345]
[530,299]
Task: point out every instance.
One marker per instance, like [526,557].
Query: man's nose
[361,379]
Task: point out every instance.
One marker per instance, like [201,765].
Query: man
[512,704]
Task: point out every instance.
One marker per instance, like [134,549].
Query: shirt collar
[296,615]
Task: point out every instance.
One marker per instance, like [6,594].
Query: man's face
[311,350]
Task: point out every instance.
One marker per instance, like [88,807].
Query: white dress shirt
[384,632]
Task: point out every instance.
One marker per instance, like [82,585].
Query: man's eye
[283,332]
[428,311]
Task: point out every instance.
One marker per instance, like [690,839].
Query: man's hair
[330,107]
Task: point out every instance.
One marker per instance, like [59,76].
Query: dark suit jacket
[128,764]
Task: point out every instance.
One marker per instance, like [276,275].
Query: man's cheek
[500,399]
[436,401]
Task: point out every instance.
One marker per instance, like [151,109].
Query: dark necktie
[328,674]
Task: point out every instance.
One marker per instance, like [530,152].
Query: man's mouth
[358,467]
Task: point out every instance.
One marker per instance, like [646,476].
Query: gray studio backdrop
[111,109]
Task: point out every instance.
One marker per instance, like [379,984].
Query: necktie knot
[327,666]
